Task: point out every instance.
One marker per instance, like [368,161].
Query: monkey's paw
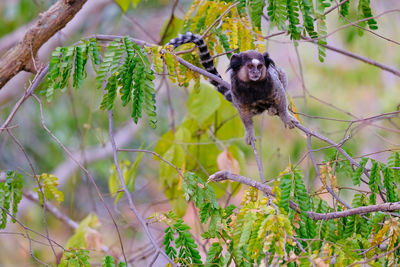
[290,121]
[249,136]
[272,111]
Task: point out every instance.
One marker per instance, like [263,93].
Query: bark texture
[22,56]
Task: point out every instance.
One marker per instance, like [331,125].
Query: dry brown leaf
[296,220]
[93,239]
[320,262]
[226,162]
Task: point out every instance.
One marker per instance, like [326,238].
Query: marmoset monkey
[257,84]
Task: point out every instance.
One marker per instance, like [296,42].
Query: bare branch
[358,57]
[128,195]
[225,175]
[36,81]
[355,211]
[53,210]
[92,154]
[86,172]
[328,188]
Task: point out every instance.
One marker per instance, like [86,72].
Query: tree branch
[22,56]
[225,175]
[358,57]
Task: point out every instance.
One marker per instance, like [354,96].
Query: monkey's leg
[272,111]
[246,117]
[281,104]
[279,80]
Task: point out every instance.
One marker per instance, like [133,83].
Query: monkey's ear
[236,62]
[267,59]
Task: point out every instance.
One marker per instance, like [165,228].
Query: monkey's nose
[254,76]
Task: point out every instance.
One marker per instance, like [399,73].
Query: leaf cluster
[265,230]
[124,68]
[10,196]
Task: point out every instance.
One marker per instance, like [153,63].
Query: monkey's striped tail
[205,58]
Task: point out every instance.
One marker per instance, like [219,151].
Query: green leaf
[293,18]
[286,187]
[358,172]
[364,6]
[277,11]
[129,172]
[78,239]
[256,12]
[110,62]
[214,257]
[123,4]
[135,3]
[172,26]
[202,104]
[108,261]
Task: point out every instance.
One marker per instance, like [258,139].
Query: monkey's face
[255,69]
[249,66]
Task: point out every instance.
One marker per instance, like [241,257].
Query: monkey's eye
[259,66]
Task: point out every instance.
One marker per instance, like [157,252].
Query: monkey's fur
[257,84]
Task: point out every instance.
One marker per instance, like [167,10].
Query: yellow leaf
[179,75]
[170,62]
[49,184]
[191,10]
[199,14]
[293,108]
[157,61]
[235,35]
[245,34]
[123,4]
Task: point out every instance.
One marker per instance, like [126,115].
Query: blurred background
[339,90]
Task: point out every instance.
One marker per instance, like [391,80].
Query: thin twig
[169,21]
[27,230]
[126,191]
[83,169]
[40,191]
[218,19]
[358,57]
[53,210]
[155,154]
[153,260]
[259,164]
[36,81]
[328,188]
[334,7]
[376,257]
[225,175]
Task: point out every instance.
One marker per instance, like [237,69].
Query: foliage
[266,230]
[85,234]
[75,258]
[129,172]
[262,230]
[49,183]
[108,261]
[208,113]
[124,4]
[10,196]
[133,78]
[183,249]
